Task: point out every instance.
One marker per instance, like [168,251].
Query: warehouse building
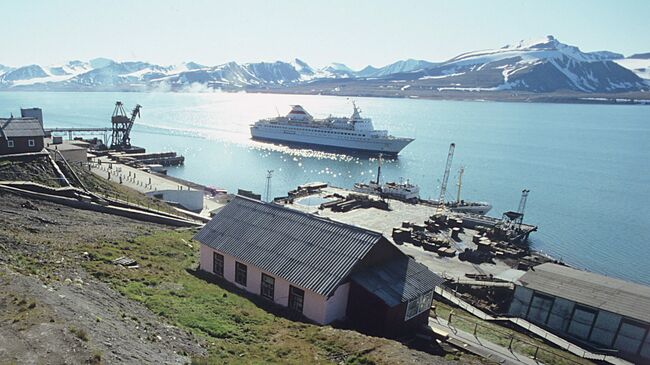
[590,309]
[325,270]
[20,135]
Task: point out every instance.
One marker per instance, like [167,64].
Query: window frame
[582,308]
[215,256]
[419,305]
[11,143]
[31,142]
[267,289]
[631,323]
[241,269]
[544,298]
[296,293]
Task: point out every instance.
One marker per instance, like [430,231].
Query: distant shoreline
[636,98]
[632,98]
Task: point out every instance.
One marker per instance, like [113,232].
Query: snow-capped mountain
[23,73]
[643,56]
[398,67]
[606,55]
[336,70]
[544,65]
[234,75]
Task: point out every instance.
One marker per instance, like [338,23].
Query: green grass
[235,328]
[523,344]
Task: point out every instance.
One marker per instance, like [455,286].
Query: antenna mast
[269,175]
[445,179]
[379,169]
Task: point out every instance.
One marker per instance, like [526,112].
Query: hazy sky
[356,33]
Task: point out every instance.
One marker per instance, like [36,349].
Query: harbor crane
[122,125]
[511,222]
[445,179]
[522,202]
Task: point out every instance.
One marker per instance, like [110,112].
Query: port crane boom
[122,125]
[445,179]
[522,201]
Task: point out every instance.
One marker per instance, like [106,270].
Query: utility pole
[269,175]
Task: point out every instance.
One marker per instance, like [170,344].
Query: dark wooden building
[392,297]
[20,135]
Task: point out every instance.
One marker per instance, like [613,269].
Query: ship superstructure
[350,133]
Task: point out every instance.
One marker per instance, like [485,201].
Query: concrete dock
[384,220]
[148,183]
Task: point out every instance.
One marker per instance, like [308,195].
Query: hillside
[65,301]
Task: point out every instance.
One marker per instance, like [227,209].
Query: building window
[217,264]
[240,273]
[581,322]
[296,298]
[10,143]
[630,337]
[31,143]
[540,308]
[268,287]
[418,305]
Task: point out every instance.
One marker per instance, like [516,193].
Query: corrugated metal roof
[20,127]
[397,281]
[311,252]
[597,291]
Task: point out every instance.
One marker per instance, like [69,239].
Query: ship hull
[475,209]
[370,145]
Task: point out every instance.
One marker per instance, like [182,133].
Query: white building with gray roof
[326,270]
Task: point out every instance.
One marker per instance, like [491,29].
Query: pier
[105,132]
[457,247]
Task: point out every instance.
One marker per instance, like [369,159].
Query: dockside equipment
[445,179]
[122,125]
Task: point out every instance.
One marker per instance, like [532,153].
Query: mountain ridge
[540,66]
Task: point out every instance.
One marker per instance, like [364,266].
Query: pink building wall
[316,307]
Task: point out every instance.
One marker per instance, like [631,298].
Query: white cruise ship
[353,133]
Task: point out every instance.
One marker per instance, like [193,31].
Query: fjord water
[586,165]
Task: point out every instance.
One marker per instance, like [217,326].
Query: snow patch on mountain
[640,66]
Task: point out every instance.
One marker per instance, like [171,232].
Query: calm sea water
[587,166]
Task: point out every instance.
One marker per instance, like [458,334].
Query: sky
[356,33]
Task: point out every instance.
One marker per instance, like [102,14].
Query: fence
[512,342]
[452,297]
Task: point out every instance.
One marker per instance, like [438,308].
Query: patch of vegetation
[237,329]
[96,358]
[359,360]
[522,343]
[80,333]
